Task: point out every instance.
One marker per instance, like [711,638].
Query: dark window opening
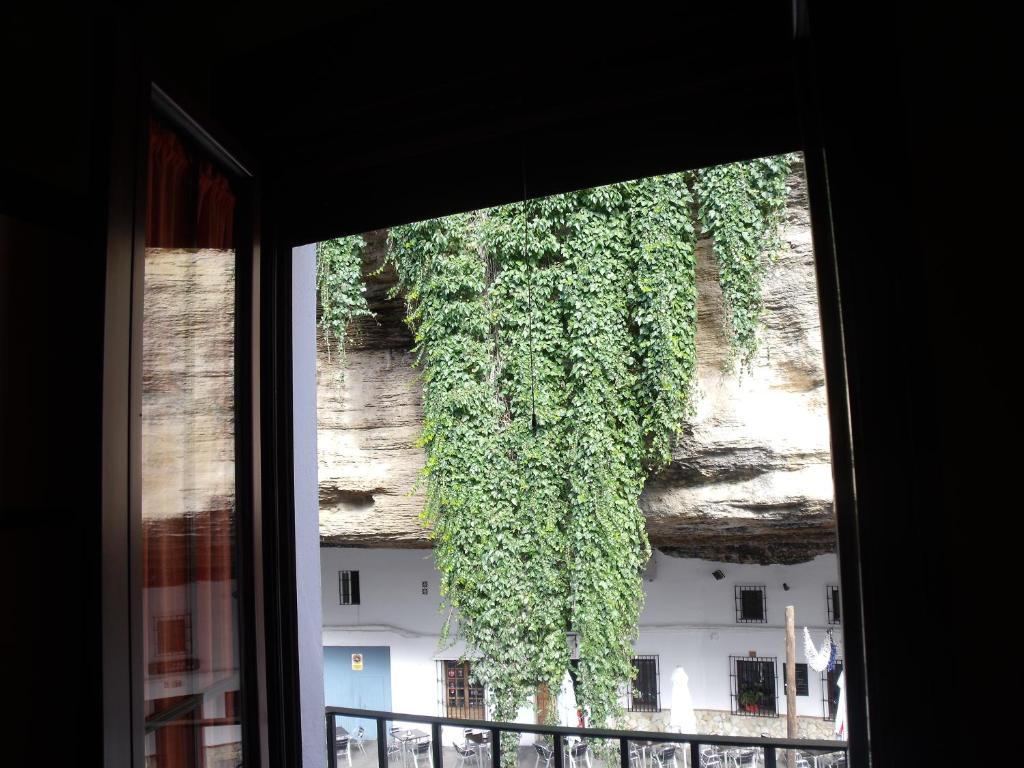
[754,688]
[832,600]
[348,587]
[751,605]
[802,687]
[646,690]
[830,690]
[460,696]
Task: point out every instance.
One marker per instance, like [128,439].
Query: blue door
[366,688]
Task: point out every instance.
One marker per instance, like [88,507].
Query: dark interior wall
[914,113]
[51,352]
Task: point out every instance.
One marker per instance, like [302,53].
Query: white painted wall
[689,618]
[307,507]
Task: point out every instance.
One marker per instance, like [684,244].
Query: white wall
[307,507]
[689,618]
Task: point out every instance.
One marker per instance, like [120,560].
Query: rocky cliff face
[750,478]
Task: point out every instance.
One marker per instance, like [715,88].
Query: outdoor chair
[711,757]
[665,755]
[420,750]
[343,747]
[463,752]
[743,757]
[544,753]
[357,737]
[579,753]
[394,748]
[636,757]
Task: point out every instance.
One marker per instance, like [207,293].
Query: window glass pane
[190,604]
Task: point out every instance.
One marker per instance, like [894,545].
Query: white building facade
[724,629]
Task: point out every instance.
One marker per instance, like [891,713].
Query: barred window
[646,691]
[459,696]
[832,601]
[754,688]
[830,690]
[348,587]
[751,605]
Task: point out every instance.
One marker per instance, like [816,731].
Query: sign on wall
[357,662]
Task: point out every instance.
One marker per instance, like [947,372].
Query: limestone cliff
[750,478]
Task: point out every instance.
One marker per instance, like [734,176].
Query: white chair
[665,755]
[579,753]
[464,752]
[711,757]
[357,737]
[343,746]
[394,747]
[420,750]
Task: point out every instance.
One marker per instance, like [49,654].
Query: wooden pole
[790,681]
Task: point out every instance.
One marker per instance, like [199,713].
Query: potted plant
[748,700]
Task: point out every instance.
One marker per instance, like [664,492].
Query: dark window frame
[268,542]
[741,603]
[265,575]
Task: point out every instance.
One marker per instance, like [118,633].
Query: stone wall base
[718,722]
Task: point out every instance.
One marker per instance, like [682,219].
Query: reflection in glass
[190,609]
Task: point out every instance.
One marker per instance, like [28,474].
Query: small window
[832,600]
[802,688]
[754,689]
[751,605]
[173,635]
[348,587]
[646,696]
[830,690]
[460,697]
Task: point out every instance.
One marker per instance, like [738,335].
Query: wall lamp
[718,575]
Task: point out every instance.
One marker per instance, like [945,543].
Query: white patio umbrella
[682,718]
[567,707]
[840,729]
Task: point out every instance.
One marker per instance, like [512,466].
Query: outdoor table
[407,735]
[481,739]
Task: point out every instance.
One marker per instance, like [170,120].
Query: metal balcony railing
[704,750]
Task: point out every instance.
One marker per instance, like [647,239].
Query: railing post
[623,753]
[332,735]
[382,744]
[435,745]
[769,757]
[694,754]
[557,750]
[495,748]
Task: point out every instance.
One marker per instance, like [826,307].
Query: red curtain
[190,203]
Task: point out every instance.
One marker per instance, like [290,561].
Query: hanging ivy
[741,206]
[339,286]
[557,345]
